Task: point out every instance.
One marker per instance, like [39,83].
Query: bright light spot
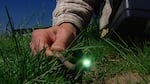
[86,62]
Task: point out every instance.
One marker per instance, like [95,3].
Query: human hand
[55,38]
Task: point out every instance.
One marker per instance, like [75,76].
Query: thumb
[63,38]
[49,52]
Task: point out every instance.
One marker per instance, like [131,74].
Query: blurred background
[26,13]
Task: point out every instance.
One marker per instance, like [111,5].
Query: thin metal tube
[64,61]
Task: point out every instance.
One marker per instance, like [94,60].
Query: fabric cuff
[69,18]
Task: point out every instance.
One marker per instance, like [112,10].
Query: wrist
[69,27]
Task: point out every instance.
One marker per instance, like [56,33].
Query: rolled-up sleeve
[77,12]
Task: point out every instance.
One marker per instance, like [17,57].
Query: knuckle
[35,32]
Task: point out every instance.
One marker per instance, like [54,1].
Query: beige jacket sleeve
[77,12]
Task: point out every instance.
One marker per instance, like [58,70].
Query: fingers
[49,52]
[35,49]
[41,39]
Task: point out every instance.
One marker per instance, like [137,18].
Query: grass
[110,59]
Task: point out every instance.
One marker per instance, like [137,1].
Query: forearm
[76,12]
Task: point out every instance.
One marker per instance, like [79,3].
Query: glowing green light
[86,62]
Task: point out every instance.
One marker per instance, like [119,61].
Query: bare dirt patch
[129,77]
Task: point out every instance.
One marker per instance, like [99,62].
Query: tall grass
[18,66]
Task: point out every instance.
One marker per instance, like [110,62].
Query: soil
[128,78]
